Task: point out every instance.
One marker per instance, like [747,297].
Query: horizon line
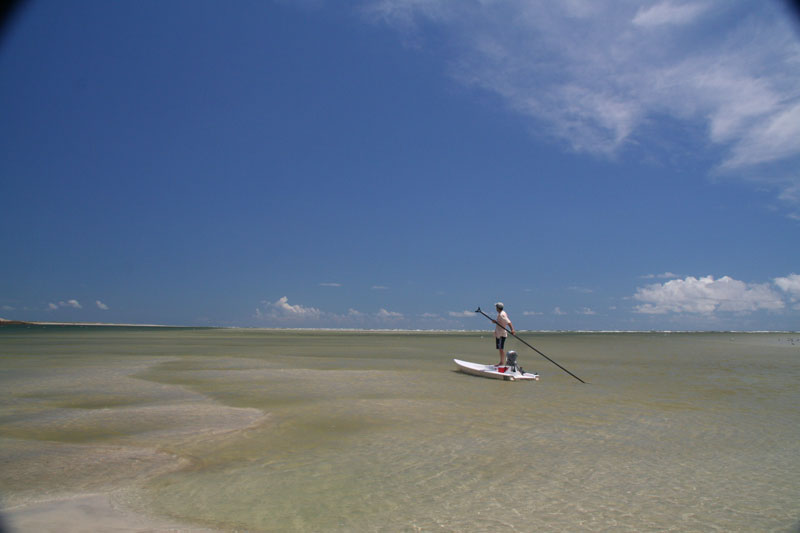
[7,322]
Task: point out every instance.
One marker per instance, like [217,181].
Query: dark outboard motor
[511,361]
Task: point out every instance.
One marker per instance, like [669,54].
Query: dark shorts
[500,342]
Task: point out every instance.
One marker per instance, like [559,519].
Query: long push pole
[529,346]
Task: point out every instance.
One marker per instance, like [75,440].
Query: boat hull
[504,373]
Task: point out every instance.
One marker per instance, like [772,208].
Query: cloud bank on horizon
[705,296]
[596,75]
[282,313]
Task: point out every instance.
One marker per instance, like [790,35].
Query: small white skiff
[507,373]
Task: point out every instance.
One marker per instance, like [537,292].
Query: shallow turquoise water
[339,431]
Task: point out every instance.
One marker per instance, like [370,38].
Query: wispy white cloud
[557,311]
[383,314]
[281,312]
[462,314]
[101,305]
[330,284]
[773,135]
[706,295]
[405,13]
[729,71]
[74,304]
[790,193]
[282,309]
[791,286]
[665,13]
[664,275]
[379,288]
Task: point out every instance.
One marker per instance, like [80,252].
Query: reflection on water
[335,431]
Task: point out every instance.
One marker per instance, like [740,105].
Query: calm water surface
[256,430]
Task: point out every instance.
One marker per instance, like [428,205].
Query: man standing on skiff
[500,332]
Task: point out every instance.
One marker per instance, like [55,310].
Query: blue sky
[594,164]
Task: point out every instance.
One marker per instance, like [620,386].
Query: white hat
[499,305]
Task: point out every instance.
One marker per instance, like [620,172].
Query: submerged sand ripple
[89,513]
[76,443]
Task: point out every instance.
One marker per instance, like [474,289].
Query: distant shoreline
[6,322]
